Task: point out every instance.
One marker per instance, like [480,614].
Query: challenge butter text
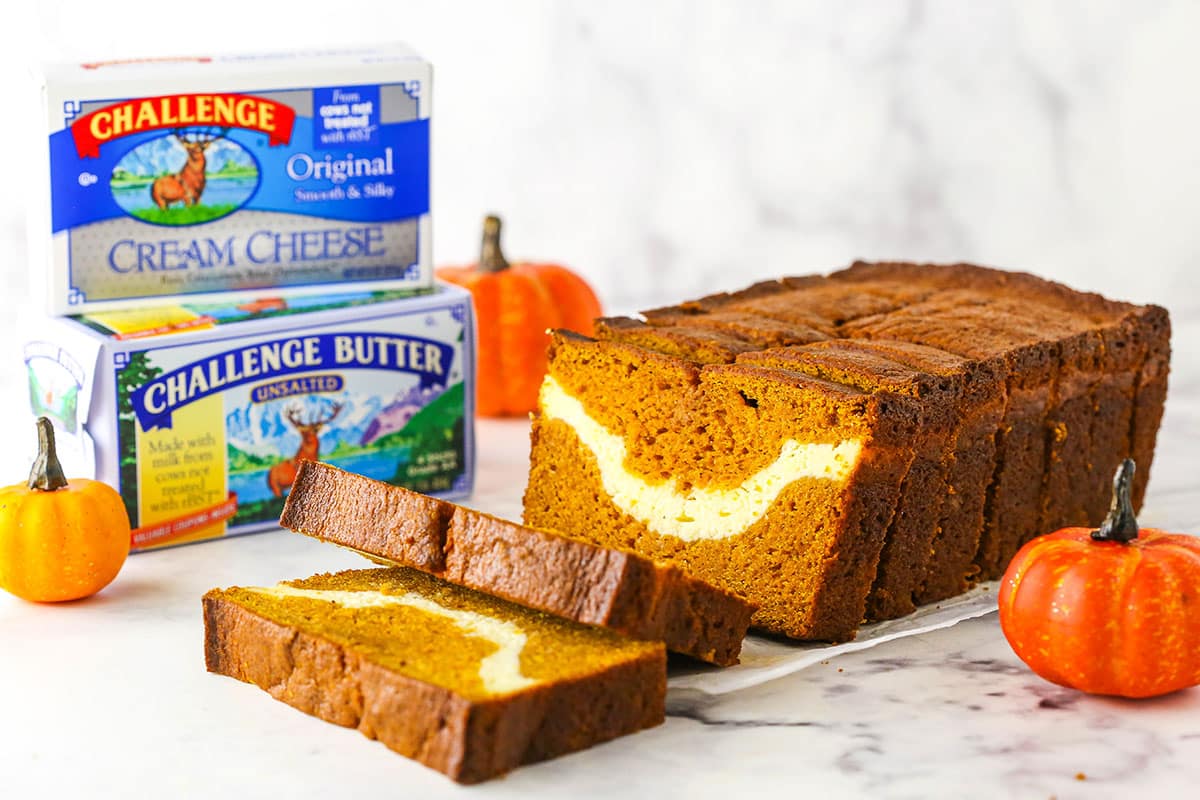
[271,358]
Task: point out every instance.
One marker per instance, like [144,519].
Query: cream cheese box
[199,413]
[224,175]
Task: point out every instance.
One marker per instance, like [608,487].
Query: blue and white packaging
[200,413]
[225,175]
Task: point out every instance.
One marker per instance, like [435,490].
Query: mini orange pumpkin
[59,540]
[515,305]
[1107,611]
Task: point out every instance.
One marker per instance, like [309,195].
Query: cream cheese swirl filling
[500,672]
[699,513]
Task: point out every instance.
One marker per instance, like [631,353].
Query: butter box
[226,175]
[199,413]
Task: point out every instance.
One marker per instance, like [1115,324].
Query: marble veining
[923,721]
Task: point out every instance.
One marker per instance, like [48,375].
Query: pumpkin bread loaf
[983,407]
[552,572]
[1073,361]
[467,684]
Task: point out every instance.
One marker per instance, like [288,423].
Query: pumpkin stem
[47,473]
[491,257]
[1120,525]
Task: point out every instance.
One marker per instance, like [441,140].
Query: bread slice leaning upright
[547,570]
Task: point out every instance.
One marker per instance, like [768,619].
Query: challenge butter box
[226,175]
[200,412]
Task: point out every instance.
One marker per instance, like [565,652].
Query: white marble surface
[109,697]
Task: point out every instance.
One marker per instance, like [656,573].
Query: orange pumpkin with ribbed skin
[1113,611]
[515,305]
[58,540]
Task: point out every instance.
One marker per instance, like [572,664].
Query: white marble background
[673,148]
[670,148]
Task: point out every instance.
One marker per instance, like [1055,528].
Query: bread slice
[1071,401]
[464,683]
[768,482]
[908,542]
[548,571]
[950,569]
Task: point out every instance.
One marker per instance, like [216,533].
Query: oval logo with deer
[188,177]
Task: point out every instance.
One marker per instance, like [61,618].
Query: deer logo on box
[187,185]
[283,474]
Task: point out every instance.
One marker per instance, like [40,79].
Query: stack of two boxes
[237,260]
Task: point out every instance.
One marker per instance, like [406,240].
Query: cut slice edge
[550,571]
[334,646]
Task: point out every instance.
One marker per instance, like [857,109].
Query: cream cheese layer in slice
[500,672]
[698,513]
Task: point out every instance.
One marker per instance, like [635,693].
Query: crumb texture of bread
[983,407]
[559,572]
[467,684]
[751,417]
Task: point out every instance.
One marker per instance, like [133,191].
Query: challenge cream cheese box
[225,175]
[199,413]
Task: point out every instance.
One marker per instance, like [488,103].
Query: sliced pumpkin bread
[549,571]
[467,684]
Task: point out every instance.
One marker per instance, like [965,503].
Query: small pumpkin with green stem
[1111,611]
[60,540]
[516,304]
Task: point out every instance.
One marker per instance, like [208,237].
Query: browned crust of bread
[974,276]
[1060,386]
[1150,392]
[539,569]
[469,742]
